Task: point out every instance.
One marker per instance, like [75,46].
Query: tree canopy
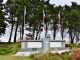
[69,17]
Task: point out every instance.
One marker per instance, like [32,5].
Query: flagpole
[43,24]
[43,16]
[59,23]
[59,18]
[24,22]
[24,14]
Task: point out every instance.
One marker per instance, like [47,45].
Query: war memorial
[45,44]
[34,46]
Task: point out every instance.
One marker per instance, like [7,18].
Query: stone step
[33,52]
[39,49]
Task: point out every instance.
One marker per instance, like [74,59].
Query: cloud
[63,2]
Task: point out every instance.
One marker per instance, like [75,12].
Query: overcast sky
[61,2]
[57,3]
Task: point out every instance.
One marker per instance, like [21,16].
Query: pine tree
[2,19]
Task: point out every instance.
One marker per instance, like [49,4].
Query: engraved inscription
[23,45]
[55,44]
[34,44]
[46,44]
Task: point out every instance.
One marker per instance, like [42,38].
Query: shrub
[76,54]
[4,48]
[39,56]
[52,54]
[54,58]
[71,46]
[78,45]
[2,53]
[31,56]
[66,57]
[8,51]
[57,53]
[44,56]
[65,53]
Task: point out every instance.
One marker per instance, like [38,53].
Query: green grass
[9,56]
[15,48]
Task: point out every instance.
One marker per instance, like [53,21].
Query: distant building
[0,40]
[69,42]
[24,38]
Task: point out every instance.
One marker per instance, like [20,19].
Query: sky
[5,38]
[60,2]
[63,2]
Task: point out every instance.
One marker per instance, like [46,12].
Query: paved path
[28,53]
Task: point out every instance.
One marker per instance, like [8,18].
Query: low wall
[44,44]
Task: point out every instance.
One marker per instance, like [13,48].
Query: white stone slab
[34,44]
[55,44]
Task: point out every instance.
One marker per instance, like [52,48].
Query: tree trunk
[23,28]
[34,30]
[62,32]
[54,27]
[46,31]
[77,35]
[16,31]
[36,35]
[72,37]
[20,34]
[11,30]
[69,37]
[62,36]
[37,32]
[54,30]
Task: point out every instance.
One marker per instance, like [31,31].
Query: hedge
[66,57]
[54,58]
[4,49]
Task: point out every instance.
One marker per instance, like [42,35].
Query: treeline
[69,17]
[2,19]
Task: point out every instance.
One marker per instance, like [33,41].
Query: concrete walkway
[28,53]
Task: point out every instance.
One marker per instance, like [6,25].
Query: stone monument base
[24,52]
[38,49]
[45,44]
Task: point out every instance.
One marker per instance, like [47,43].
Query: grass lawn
[9,56]
[14,50]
